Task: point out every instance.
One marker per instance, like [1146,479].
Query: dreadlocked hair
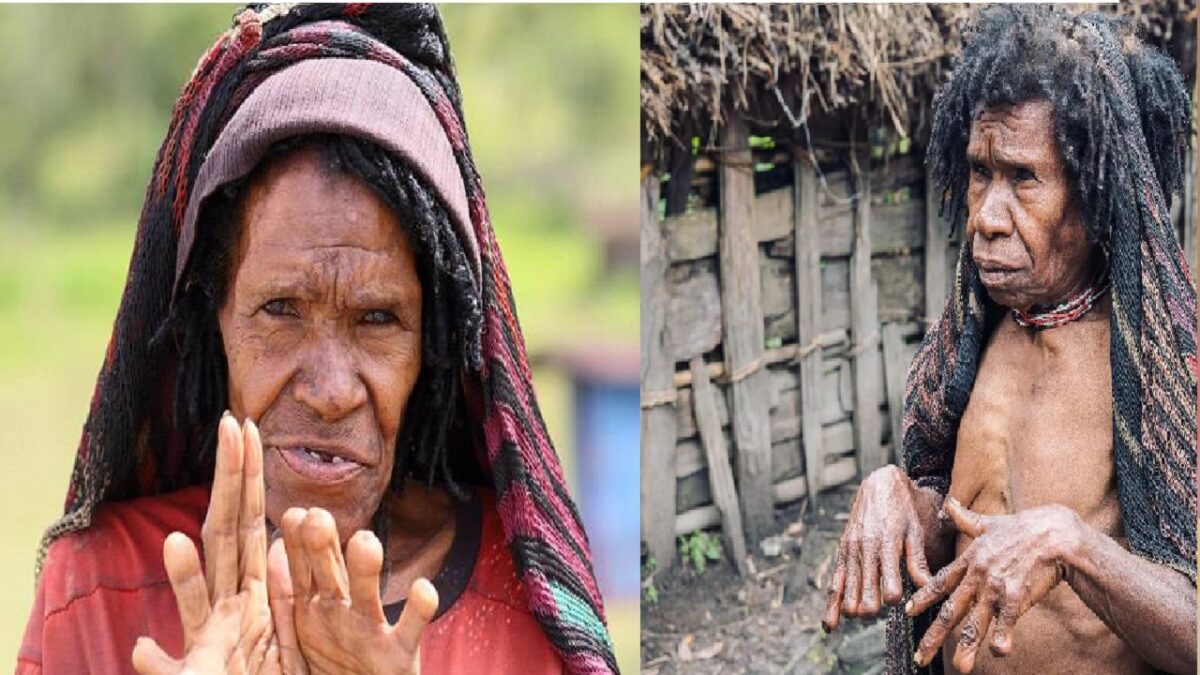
[1018,54]
[451,316]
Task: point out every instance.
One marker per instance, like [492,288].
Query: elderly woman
[1050,415]
[315,258]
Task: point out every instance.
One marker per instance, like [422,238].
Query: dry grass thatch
[779,64]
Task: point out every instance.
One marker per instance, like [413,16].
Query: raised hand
[1013,563]
[887,522]
[224,609]
[327,608]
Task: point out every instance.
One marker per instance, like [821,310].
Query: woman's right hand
[226,618]
[885,524]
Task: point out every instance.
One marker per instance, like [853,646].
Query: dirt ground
[769,621]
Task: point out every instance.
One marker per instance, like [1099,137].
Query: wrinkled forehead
[1028,125]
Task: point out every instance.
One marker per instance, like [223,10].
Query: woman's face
[322,331]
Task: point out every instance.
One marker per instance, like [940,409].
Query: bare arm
[1150,606]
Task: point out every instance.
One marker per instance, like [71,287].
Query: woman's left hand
[327,608]
[1012,564]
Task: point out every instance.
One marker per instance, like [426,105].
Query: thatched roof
[777,64]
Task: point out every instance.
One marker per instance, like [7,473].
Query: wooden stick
[770,357]
[720,476]
[742,327]
[864,330]
[658,422]
[936,245]
[808,312]
[894,372]
[701,517]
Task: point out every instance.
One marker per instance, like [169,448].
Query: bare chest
[1038,430]
[1038,427]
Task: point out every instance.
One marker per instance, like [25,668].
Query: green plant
[698,548]
[649,590]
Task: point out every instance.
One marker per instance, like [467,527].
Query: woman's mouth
[318,465]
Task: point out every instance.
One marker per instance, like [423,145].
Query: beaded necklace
[1068,310]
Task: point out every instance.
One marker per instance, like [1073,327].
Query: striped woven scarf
[540,521]
[1153,354]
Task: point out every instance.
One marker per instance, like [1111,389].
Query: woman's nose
[330,383]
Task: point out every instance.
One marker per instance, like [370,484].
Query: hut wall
[895,217]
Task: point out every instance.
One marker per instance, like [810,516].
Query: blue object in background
[606,408]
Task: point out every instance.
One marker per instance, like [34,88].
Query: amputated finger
[833,605]
[953,610]
[869,601]
[364,563]
[419,609]
[974,632]
[252,529]
[283,610]
[1015,602]
[325,555]
[149,659]
[182,563]
[292,527]
[965,520]
[1006,618]
[891,584]
[219,533]
[941,585]
[853,592]
[914,558]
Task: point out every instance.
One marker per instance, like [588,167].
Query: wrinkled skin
[1023,222]
[1001,575]
[330,605]
[1033,463]
[887,522]
[322,331]
[224,609]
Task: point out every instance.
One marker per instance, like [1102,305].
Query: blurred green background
[551,105]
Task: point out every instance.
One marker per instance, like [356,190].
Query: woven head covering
[1138,105]
[382,73]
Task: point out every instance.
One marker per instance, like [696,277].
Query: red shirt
[104,587]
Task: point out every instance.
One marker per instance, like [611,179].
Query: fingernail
[227,413]
[917,658]
[908,607]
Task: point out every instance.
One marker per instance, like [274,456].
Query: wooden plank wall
[795,347]
[810,355]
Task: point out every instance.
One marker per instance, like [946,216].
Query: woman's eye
[280,307]
[980,170]
[1024,175]
[379,317]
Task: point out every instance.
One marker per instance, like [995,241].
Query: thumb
[150,659]
[965,520]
